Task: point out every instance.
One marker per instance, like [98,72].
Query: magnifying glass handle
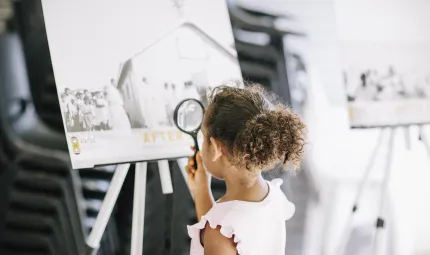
[196,145]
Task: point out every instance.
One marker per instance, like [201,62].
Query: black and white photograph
[386,84]
[94,110]
[118,88]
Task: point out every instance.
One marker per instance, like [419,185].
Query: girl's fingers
[193,148]
[191,161]
[190,170]
[199,159]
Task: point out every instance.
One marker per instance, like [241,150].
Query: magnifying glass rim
[175,115]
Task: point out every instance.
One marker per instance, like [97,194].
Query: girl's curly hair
[257,131]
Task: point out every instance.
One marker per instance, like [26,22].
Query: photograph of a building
[184,63]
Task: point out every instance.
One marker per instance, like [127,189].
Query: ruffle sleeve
[288,209]
[226,230]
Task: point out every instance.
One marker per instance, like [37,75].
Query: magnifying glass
[188,117]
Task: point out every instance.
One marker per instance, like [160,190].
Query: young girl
[245,133]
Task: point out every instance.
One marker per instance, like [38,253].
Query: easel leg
[424,139]
[378,245]
[407,137]
[138,209]
[166,179]
[347,230]
[167,188]
[105,212]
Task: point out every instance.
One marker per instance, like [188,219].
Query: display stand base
[93,240]
[380,223]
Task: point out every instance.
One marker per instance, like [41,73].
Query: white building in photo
[184,63]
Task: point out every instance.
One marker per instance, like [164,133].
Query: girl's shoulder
[241,220]
[276,204]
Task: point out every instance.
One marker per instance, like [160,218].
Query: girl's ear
[216,149]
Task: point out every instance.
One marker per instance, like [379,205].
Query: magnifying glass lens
[189,116]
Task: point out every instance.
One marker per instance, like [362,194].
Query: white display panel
[387,84]
[121,67]
[385,61]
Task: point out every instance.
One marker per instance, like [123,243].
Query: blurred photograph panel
[387,84]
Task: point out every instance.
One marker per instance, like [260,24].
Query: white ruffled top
[257,228]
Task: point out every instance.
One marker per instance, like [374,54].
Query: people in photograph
[190,91]
[65,112]
[167,97]
[118,118]
[88,115]
[366,91]
[72,118]
[101,112]
[79,103]
[375,83]
[143,117]
[202,91]
[67,100]
[372,78]
[420,87]
[93,97]
[75,121]
[171,100]
[67,95]
[87,93]
[174,96]
[391,86]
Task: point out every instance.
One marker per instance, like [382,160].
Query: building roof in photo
[228,51]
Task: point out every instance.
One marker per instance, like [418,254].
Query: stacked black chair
[40,203]
[40,212]
[261,61]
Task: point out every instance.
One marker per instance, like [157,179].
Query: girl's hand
[198,179]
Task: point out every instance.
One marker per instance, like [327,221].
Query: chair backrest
[31,28]
[18,112]
[264,64]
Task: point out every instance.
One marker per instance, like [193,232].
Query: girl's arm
[203,200]
[217,244]
[199,182]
